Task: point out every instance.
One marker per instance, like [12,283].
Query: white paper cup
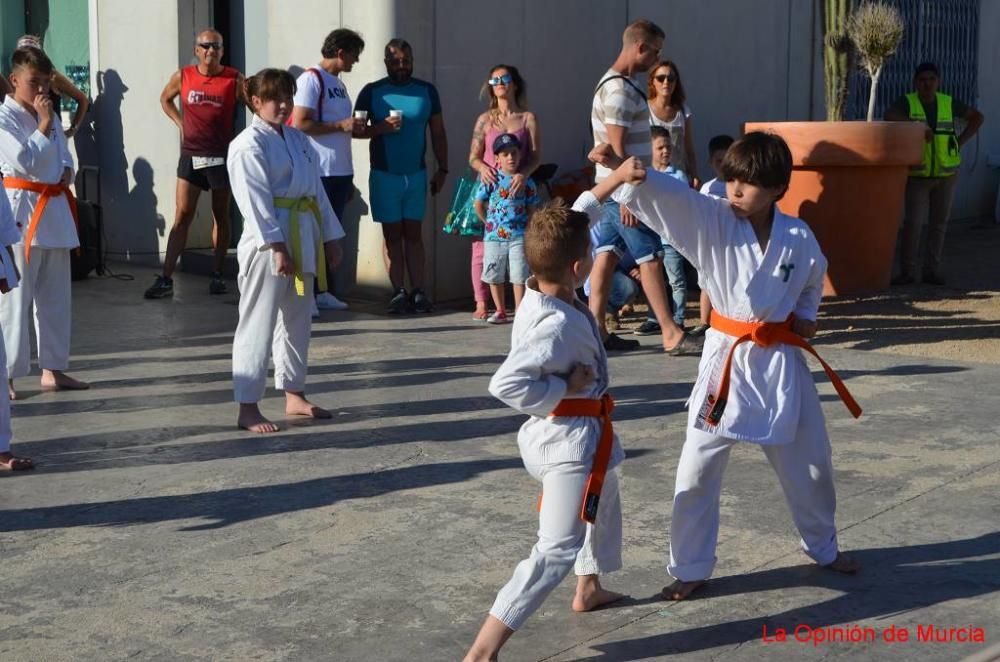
[361,115]
[396,113]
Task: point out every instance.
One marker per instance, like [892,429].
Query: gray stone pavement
[154,530]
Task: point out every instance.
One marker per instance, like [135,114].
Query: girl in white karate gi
[9,277]
[37,168]
[557,354]
[758,265]
[289,229]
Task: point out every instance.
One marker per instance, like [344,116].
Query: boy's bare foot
[845,564]
[481,312]
[491,638]
[297,405]
[57,380]
[681,590]
[251,419]
[10,389]
[590,594]
[8,462]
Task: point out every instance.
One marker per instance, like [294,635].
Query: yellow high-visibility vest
[941,155]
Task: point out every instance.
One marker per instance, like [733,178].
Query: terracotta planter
[848,183]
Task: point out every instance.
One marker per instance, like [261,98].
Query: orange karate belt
[766,334]
[598,470]
[45,192]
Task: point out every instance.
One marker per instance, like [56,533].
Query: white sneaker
[315,310]
[326,301]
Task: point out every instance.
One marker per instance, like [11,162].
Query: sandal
[685,347]
[480,317]
[699,330]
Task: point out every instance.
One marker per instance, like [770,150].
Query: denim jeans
[673,264]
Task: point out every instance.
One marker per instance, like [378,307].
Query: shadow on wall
[131,223]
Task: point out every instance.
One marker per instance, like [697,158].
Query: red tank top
[208,105]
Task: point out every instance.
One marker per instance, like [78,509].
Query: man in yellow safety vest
[931,185]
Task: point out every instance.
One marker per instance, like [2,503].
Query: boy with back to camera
[557,373]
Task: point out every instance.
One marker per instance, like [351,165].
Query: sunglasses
[500,80]
[399,61]
[208,45]
[670,78]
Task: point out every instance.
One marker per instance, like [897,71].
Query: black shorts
[214,177]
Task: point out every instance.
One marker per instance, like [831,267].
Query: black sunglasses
[208,45]
[672,78]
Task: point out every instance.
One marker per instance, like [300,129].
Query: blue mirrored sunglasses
[498,80]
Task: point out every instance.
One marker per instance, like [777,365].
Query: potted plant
[849,178]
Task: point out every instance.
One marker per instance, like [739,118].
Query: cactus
[876,29]
[836,56]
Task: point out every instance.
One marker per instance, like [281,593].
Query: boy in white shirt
[717,147]
[557,373]
[37,168]
[716,186]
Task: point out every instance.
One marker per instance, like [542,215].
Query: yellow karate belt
[296,206]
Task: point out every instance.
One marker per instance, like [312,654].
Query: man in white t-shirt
[323,111]
[619,116]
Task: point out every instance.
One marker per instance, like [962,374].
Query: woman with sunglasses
[667,108]
[507,113]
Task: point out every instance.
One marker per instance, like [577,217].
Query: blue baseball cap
[505,141]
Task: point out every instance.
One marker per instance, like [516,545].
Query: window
[945,32]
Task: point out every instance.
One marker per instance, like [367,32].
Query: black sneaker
[933,278]
[217,285]
[648,328]
[615,343]
[163,287]
[420,302]
[399,303]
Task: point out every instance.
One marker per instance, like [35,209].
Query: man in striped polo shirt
[619,116]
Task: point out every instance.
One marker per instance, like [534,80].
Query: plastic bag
[461,219]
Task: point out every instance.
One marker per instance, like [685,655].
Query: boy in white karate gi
[289,229]
[556,371]
[9,277]
[37,168]
[763,271]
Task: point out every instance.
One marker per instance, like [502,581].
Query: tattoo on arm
[476,149]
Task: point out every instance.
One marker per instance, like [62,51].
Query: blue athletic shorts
[394,198]
[641,242]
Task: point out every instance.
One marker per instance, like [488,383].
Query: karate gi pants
[274,323]
[564,540]
[5,430]
[805,470]
[45,292]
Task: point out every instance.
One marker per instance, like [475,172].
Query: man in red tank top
[209,92]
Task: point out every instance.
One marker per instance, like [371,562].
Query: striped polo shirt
[621,102]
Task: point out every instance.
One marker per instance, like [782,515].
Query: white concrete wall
[977,190]
[134,143]
[739,62]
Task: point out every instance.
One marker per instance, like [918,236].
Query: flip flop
[686,346]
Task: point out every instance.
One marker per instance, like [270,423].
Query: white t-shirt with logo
[334,149]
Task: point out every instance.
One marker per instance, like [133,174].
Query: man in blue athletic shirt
[400,109]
